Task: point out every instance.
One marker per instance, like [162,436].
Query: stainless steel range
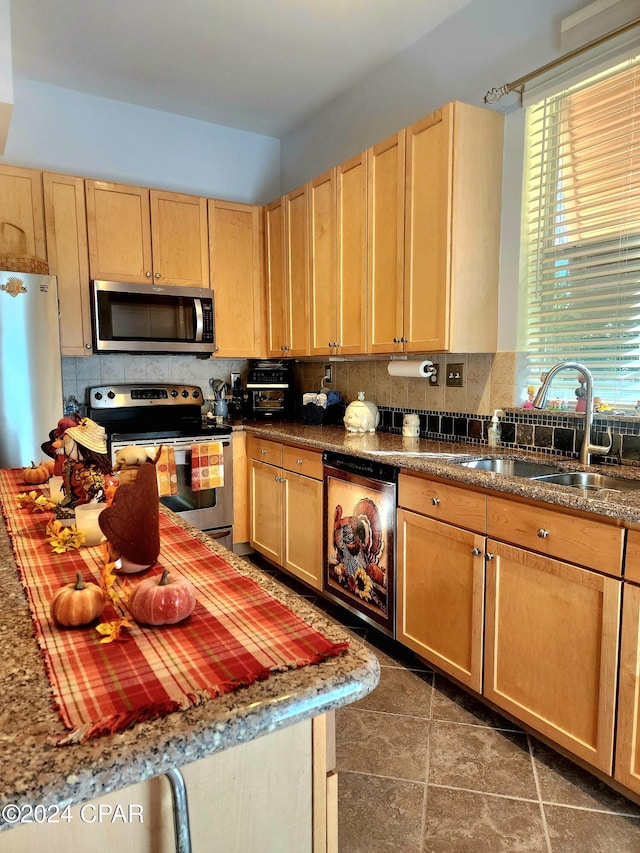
[148,415]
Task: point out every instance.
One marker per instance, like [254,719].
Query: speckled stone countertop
[35,771]
[622,506]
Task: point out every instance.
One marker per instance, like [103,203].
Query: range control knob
[174,393]
[98,395]
[196,393]
[111,395]
[184,392]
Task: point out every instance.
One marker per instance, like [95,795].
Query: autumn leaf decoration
[35,500]
[112,630]
[62,538]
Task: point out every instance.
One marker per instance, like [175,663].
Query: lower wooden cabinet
[627,770]
[276,793]
[285,499]
[551,649]
[440,605]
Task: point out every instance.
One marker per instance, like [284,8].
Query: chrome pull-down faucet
[541,398]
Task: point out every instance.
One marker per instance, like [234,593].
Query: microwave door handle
[197,306]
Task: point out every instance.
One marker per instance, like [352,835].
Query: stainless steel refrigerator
[30,366]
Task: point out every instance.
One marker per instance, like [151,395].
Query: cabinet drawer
[264,451]
[572,538]
[302,461]
[452,504]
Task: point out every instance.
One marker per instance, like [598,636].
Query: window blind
[582,234]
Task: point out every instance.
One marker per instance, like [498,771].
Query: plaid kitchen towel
[207,466]
[237,634]
[165,470]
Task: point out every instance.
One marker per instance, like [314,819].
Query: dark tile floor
[425,768]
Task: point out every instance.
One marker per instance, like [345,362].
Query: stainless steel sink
[511,467]
[590,481]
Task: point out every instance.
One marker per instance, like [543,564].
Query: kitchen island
[292,710]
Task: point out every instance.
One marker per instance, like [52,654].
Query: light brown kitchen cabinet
[235,252]
[433,278]
[441,548]
[285,499]
[22,229]
[287,262]
[66,230]
[440,605]
[385,241]
[142,235]
[627,767]
[338,249]
[551,648]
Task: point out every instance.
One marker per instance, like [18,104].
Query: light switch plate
[455,375]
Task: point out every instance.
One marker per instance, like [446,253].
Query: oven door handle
[197,306]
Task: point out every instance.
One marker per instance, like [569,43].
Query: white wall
[486,44]
[65,131]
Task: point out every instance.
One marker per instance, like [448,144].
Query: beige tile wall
[490,382]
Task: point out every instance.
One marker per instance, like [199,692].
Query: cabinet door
[119,231]
[276,277]
[179,239]
[352,256]
[69,259]
[302,552]
[297,272]
[427,234]
[22,231]
[551,649]
[265,496]
[441,595]
[322,238]
[627,769]
[235,243]
[385,200]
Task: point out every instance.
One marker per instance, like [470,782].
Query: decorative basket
[23,263]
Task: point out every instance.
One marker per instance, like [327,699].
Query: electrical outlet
[434,379]
[455,375]
[328,373]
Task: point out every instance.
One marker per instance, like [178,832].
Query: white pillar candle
[87,521]
[56,493]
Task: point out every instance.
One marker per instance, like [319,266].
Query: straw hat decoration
[89,434]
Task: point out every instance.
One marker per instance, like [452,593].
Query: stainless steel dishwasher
[360,497]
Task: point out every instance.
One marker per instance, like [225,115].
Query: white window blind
[582,234]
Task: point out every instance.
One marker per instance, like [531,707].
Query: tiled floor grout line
[543,816]
[425,797]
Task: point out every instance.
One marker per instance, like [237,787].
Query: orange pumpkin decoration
[49,464]
[36,475]
[77,604]
[162,602]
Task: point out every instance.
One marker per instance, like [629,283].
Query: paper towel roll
[411,367]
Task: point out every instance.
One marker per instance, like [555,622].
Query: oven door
[210,510]
[359,544]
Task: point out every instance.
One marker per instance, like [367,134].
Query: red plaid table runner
[237,634]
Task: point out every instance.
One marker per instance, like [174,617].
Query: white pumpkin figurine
[361,415]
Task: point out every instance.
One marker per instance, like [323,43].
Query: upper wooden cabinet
[287,248]
[338,259]
[434,230]
[142,235]
[22,230]
[66,228]
[235,252]
[385,200]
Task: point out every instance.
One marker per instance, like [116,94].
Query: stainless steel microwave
[151,318]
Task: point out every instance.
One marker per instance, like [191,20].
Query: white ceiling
[256,65]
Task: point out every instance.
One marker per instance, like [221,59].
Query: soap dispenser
[495,429]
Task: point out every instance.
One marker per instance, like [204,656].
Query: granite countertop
[622,506]
[35,771]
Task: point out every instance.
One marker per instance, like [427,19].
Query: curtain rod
[494,95]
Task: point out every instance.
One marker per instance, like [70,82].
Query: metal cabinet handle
[299,461]
[404,340]
[88,346]
[262,450]
[542,533]
[396,340]
[148,274]
[489,555]
[476,552]
[435,501]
